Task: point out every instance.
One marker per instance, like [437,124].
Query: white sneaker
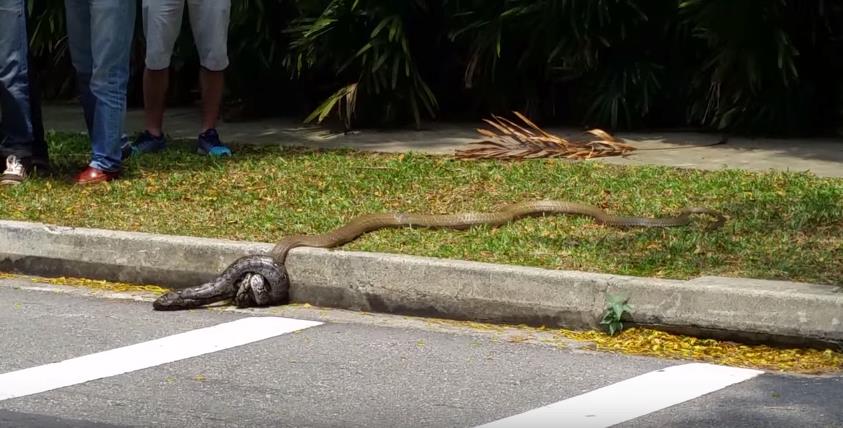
[15,172]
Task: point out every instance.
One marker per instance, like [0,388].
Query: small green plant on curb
[614,312]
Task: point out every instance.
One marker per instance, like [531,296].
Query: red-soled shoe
[93,175]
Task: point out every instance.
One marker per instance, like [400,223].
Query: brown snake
[372,222]
[261,280]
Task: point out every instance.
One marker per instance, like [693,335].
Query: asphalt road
[353,370]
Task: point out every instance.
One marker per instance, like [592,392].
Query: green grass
[781,225]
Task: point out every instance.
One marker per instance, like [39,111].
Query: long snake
[261,280]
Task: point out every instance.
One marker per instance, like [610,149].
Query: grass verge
[781,225]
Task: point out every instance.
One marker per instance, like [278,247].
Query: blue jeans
[21,130]
[100,38]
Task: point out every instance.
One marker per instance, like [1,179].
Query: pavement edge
[747,309]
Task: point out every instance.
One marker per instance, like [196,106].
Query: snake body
[244,279]
[250,281]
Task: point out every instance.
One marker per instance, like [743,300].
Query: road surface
[72,359]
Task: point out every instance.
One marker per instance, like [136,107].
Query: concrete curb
[723,307]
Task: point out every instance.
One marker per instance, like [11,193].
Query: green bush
[758,66]
[369,48]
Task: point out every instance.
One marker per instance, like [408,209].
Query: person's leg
[161,25]
[111,46]
[155,84]
[209,20]
[78,16]
[101,59]
[21,129]
[212,84]
[40,155]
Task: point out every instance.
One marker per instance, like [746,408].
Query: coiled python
[262,280]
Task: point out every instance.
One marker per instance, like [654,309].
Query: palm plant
[766,66]
[257,46]
[366,45]
[749,66]
[48,46]
[553,53]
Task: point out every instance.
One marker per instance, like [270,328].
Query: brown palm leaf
[511,141]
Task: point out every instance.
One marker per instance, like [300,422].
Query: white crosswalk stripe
[631,398]
[145,355]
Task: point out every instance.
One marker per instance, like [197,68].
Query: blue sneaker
[144,143]
[209,143]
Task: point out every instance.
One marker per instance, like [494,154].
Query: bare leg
[155,83]
[212,83]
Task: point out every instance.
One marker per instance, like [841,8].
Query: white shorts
[208,19]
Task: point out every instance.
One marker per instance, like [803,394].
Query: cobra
[262,280]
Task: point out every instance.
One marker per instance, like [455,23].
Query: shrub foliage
[759,66]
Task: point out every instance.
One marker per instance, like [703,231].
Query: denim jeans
[21,130]
[100,38]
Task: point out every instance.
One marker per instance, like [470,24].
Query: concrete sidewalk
[823,157]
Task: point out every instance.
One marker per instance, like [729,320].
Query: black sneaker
[16,171]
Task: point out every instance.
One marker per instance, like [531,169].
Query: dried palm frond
[511,141]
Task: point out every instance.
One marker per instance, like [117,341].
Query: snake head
[179,299]
[188,298]
[168,302]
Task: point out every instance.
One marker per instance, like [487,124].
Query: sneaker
[144,143]
[209,143]
[15,171]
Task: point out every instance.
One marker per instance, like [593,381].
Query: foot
[209,143]
[16,171]
[93,175]
[145,143]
